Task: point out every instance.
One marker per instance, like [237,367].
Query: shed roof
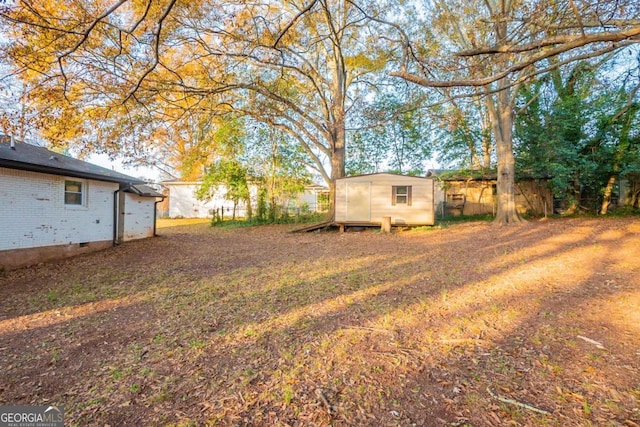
[32,158]
[144,191]
[385,173]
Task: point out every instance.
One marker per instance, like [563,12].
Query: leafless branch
[86,33]
[293,21]
[578,17]
[510,70]
[297,130]
[156,51]
[567,42]
[407,47]
[142,18]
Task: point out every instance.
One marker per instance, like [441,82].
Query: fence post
[385,226]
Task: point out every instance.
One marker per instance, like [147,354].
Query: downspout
[115,216]
[155,215]
[116,212]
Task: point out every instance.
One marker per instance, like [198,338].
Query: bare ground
[466,325]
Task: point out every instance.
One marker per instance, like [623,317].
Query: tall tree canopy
[134,77]
[112,70]
[489,47]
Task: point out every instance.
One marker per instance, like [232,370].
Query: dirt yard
[466,325]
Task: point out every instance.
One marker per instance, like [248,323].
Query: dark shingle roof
[144,191]
[39,159]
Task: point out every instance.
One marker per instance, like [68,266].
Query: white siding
[183,202]
[33,213]
[421,211]
[138,217]
[341,200]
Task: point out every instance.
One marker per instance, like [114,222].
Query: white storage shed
[366,199]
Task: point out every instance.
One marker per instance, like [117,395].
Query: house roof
[179,181]
[316,187]
[144,191]
[32,158]
[479,175]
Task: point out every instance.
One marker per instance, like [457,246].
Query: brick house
[53,206]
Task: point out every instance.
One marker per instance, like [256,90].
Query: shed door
[358,201]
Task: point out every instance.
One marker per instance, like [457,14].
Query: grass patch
[308,218]
[452,220]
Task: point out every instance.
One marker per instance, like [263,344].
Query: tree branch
[511,70]
[87,32]
[156,52]
[567,40]
[293,22]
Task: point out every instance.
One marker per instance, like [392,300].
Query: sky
[145,173]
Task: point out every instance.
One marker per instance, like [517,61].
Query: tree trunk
[634,199]
[337,133]
[486,141]
[608,190]
[249,208]
[502,126]
[337,165]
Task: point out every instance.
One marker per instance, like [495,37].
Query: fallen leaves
[251,327]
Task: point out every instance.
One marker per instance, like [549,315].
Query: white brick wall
[33,213]
[138,217]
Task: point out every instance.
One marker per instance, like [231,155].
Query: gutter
[155,213]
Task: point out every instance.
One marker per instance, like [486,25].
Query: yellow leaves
[365,61]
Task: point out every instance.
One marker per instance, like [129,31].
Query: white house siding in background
[366,199]
[139,219]
[184,203]
[33,212]
[311,198]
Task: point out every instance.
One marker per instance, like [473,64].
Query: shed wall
[421,211]
[138,217]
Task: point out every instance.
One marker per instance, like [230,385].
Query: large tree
[110,71]
[494,45]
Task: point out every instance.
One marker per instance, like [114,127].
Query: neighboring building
[366,199]
[314,198]
[183,203]
[474,193]
[630,190]
[53,206]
